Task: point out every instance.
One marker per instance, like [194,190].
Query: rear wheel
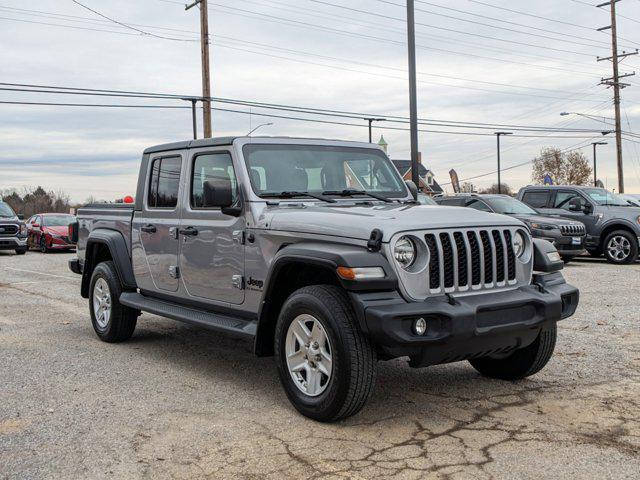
[522,363]
[327,366]
[43,244]
[621,247]
[112,321]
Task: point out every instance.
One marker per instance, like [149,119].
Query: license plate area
[576,241]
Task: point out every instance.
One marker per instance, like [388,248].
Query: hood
[557,221]
[357,221]
[57,230]
[630,212]
[13,219]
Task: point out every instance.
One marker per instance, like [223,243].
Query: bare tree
[570,168]
[32,200]
[504,189]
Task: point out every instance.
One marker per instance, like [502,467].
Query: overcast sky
[308,53]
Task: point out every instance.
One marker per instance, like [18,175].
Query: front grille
[9,230]
[572,229]
[470,259]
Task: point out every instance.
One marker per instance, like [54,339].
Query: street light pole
[371,120]
[498,135]
[595,165]
[261,125]
[413,102]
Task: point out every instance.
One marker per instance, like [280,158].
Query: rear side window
[212,168]
[164,182]
[537,199]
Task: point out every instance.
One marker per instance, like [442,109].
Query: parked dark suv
[13,231]
[566,235]
[613,225]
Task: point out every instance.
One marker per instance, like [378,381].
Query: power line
[32,88]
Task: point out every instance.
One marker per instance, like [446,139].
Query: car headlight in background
[404,252]
[518,243]
[542,226]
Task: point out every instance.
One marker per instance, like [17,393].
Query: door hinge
[174,271]
[238,236]
[238,282]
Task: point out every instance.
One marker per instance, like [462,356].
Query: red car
[50,231]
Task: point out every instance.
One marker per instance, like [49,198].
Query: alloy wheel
[309,355]
[619,247]
[102,302]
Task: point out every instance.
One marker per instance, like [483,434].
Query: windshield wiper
[292,194]
[350,192]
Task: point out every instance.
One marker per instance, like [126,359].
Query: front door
[212,250]
[155,228]
[560,206]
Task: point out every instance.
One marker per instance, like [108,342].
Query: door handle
[149,228]
[189,231]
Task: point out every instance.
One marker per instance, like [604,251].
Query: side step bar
[222,323]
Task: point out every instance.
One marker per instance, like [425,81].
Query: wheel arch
[612,227]
[299,265]
[102,245]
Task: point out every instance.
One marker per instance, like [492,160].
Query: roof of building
[404,167]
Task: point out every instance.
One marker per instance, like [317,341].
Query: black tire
[632,254]
[354,362]
[595,253]
[522,363]
[122,320]
[21,251]
[43,244]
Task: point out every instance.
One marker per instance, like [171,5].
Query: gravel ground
[177,402]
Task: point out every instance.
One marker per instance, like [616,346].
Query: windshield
[605,197]
[57,220]
[277,168]
[509,206]
[5,210]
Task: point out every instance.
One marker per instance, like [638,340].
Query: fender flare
[117,245]
[329,257]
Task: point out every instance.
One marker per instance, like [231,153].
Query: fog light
[420,326]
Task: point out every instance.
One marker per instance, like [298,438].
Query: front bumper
[12,243]
[564,244]
[463,327]
[59,243]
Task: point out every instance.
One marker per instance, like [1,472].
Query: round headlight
[404,252]
[518,244]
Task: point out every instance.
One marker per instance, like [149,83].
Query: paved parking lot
[177,402]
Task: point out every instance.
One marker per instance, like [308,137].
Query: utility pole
[371,120]
[204,48]
[614,82]
[413,101]
[498,135]
[595,164]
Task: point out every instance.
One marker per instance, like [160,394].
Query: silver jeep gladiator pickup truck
[316,251]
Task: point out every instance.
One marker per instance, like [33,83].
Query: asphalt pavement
[179,402]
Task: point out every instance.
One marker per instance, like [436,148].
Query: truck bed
[112,216]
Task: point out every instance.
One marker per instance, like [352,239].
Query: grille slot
[434,262]
[470,259]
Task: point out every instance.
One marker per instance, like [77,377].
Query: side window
[536,199]
[452,202]
[563,199]
[478,205]
[164,182]
[213,168]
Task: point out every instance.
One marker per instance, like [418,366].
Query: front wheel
[522,363]
[112,321]
[621,247]
[43,244]
[326,365]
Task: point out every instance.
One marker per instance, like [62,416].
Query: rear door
[538,199]
[156,226]
[212,243]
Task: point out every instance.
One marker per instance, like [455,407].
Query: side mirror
[413,189]
[35,225]
[218,193]
[20,216]
[587,209]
